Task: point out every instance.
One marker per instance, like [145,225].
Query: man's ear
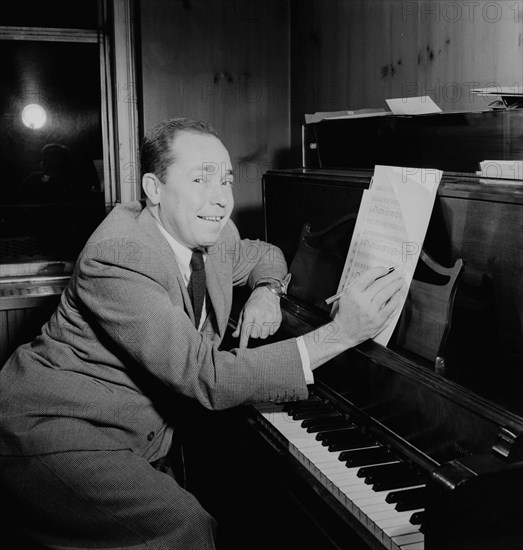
[151,187]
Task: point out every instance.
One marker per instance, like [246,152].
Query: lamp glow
[34,116]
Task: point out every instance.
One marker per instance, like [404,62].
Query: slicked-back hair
[156,153]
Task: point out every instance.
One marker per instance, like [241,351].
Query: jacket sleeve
[150,330]
[253,259]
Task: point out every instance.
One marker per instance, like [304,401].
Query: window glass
[51,13]
[51,156]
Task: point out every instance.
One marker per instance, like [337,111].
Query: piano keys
[364,489]
[402,487]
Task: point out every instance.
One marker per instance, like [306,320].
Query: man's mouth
[211,218]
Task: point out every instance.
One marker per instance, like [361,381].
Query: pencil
[342,292]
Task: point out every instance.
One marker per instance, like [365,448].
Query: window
[68,133]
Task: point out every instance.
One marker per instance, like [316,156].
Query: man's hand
[369,304]
[260,316]
[364,310]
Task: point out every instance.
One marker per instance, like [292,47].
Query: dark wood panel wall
[253,67]
[227,62]
[354,54]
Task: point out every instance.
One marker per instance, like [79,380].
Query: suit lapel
[150,226]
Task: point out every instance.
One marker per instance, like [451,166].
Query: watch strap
[275,285]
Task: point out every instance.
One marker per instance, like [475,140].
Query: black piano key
[410,504]
[315,421]
[400,471]
[299,406]
[350,445]
[344,435]
[305,413]
[311,408]
[399,496]
[348,450]
[302,403]
[390,472]
[411,499]
[363,457]
[417,518]
[383,470]
[308,415]
[334,435]
[408,480]
[328,424]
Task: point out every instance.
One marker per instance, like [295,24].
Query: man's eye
[230,183]
[199,180]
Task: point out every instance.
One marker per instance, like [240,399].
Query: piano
[389,451]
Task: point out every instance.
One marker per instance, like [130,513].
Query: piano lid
[452,141]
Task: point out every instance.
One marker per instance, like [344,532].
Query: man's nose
[219,195]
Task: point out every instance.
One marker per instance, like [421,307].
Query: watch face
[275,287]
[278,287]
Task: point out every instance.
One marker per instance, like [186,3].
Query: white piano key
[386,514]
[379,516]
[409,539]
[352,471]
[397,530]
[379,495]
[336,469]
[359,493]
[348,483]
[365,495]
[379,507]
[400,519]
[415,546]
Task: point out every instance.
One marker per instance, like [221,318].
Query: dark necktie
[196,285]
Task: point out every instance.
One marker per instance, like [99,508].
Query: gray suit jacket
[125,325]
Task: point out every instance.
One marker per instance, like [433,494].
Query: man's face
[196,197]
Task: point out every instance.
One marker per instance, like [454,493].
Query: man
[52,183]
[86,407]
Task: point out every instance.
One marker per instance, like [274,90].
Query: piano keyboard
[384,493]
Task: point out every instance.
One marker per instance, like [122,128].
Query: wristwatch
[275,285]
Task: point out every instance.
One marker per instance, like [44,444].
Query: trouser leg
[102,499]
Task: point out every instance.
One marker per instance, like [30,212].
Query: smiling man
[194,191]
[88,408]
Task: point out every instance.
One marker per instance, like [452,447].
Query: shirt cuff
[305,360]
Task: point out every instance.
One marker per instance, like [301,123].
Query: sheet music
[421,105]
[390,229]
